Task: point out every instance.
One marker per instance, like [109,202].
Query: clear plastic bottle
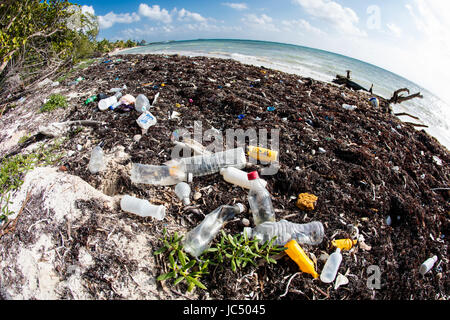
[97,161]
[427,265]
[311,233]
[259,200]
[142,207]
[238,177]
[202,165]
[156,175]
[182,190]
[110,101]
[142,103]
[331,267]
[198,239]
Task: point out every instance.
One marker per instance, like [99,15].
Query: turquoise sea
[320,65]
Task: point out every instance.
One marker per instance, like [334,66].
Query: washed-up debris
[183,191]
[341,280]
[262,154]
[427,265]
[306,201]
[97,160]
[296,253]
[331,267]
[344,244]
[142,207]
[259,200]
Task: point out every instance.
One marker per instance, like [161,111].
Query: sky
[407,37]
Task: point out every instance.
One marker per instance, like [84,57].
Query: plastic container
[344,244]
[238,177]
[142,103]
[142,207]
[110,101]
[202,165]
[331,267]
[296,253]
[311,233]
[146,120]
[427,265]
[348,107]
[198,239]
[259,200]
[183,190]
[97,161]
[156,175]
[262,154]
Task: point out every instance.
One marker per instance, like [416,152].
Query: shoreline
[373,167]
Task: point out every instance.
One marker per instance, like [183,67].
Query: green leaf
[182,258]
[197,282]
[166,276]
[233,265]
[160,250]
[178,280]
[189,265]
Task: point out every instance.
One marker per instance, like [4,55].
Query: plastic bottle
[238,177]
[427,265]
[182,190]
[142,207]
[141,103]
[296,253]
[259,200]
[331,267]
[344,244]
[91,99]
[349,107]
[106,103]
[202,165]
[311,233]
[146,120]
[156,175]
[197,240]
[97,163]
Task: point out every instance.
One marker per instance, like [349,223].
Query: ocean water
[320,65]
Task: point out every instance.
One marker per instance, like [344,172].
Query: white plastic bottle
[142,207]
[198,239]
[142,103]
[238,177]
[259,200]
[331,267]
[182,190]
[428,265]
[97,161]
[311,233]
[110,101]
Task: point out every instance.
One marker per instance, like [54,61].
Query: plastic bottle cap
[241,207]
[252,175]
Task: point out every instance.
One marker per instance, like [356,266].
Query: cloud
[295,25]
[185,15]
[155,13]
[236,6]
[394,29]
[262,22]
[111,18]
[343,19]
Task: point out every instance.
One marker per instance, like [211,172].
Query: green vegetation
[55,101]
[235,251]
[13,169]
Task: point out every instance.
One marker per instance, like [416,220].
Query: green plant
[24,138]
[181,266]
[4,208]
[239,251]
[55,101]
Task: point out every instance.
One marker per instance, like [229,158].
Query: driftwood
[397,98]
[347,82]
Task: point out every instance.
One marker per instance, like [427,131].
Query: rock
[137,137]
[197,195]
[245,222]
[321,150]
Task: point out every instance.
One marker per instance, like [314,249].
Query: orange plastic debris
[306,201]
[344,244]
[296,253]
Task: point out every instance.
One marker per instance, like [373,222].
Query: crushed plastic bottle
[427,265]
[156,175]
[331,267]
[110,101]
[142,103]
[259,200]
[202,165]
[142,207]
[198,239]
[97,162]
[238,177]
[311,233]
[296,253]
[182,190]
